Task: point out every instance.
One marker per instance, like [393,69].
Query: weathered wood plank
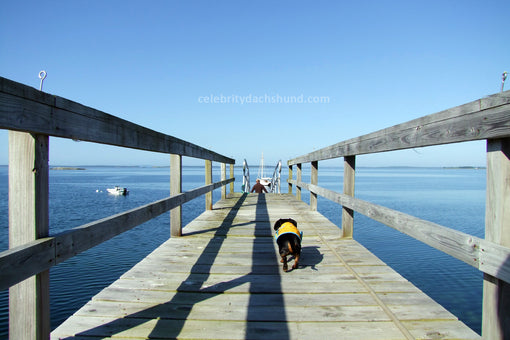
[496,300]
[231,176]
[223,177]
[265,313]
[349,181]
[19,263]
[175,189]
[299,174]
[204,329]
[23,108]
[28,221]
[289,189]
[208,181]
[314,179]
[485,118]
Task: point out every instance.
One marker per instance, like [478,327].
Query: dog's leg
[296,261]
[285,266]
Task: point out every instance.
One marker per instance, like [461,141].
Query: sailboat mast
[262,165]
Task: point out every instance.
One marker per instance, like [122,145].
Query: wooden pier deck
[222,280]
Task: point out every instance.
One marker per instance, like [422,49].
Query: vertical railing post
[496,293]
[231,176]
[175,189]
[314,179]
[223,177]
[348,214]
[298,179]
[290,178]
[208,180]
[29,300]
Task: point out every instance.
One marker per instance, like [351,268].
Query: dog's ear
[293,222]
[278,224]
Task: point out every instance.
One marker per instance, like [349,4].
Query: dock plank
[222,280]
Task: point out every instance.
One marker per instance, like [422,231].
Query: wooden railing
[32,117]
[484,119]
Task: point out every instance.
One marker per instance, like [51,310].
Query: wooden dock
[222,280]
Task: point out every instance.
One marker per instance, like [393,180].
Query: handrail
[24,108]
[275,179]
[486,256]
[246,177]
[484,119]
[19,263]
[32,117]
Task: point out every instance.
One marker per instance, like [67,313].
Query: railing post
[496,293]
[231,176]
[314,179]
[223,177]
[298,179]
[348,214]
[208,180]
[29,300]
[290,178]
[175,189]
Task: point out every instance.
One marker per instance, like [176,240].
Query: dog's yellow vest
[288,228]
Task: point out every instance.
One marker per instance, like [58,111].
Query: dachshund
[288,238]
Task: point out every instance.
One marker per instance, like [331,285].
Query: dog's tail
[289,248]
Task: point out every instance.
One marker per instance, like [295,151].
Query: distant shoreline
[465,167]
[66,168]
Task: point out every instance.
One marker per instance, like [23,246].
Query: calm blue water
[454,198]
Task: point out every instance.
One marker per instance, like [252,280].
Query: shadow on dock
[178,309]
[254,331]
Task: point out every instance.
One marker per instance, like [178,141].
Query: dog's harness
[288,228]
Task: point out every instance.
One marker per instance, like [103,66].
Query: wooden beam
[175,189]
[290,179]
[232,176]
[496,292]
[485,118]
[24,108]
[314,179]
[223,177]
[298,179]
[208,180]
[29,304]
[347,213]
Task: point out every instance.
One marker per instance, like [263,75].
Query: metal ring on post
[42,76]
[503,78]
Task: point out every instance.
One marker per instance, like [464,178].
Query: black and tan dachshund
[288,238]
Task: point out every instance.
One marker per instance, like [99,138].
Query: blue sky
[376,63]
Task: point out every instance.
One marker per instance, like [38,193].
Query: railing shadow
[180,306]
[277,313]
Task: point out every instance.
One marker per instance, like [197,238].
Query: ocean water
[451,197]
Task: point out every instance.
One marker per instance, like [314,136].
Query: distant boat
[272,184]
[118,191]
[265,181]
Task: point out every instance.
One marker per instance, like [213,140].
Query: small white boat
[265,181]
[118,191]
